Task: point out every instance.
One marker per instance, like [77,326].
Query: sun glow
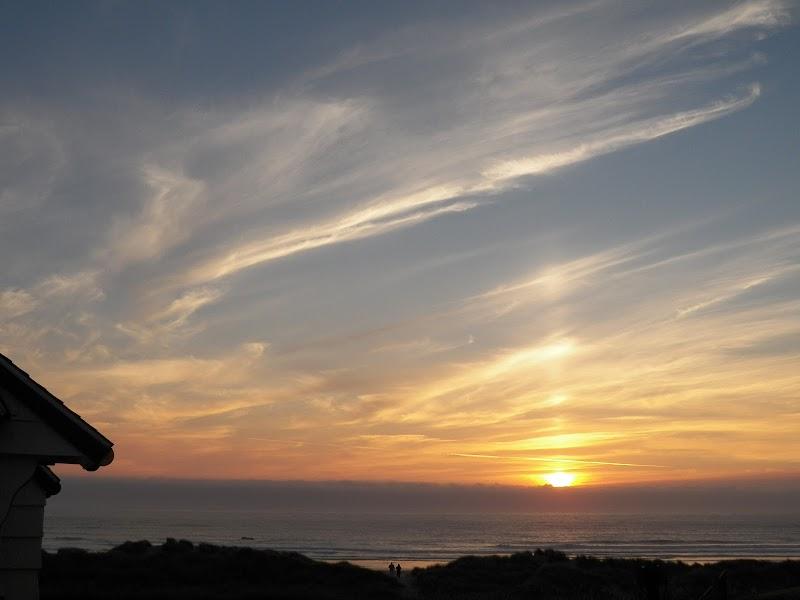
[559,479]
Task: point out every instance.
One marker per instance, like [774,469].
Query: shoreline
[436,538]
[379,562]
[376,564]
[422,562]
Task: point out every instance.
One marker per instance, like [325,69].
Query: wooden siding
[21,541]
[21,553]
[24,521]
[19,585]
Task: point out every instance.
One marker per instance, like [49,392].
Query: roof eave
[97,449]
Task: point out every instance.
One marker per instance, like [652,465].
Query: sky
[455,242]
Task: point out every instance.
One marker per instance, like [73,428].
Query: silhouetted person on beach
[398,569]
[391,569]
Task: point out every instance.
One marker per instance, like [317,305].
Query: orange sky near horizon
[528,239]
[654,402]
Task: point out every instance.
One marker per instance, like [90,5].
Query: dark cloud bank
[751,495]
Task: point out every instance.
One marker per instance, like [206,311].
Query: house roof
[49,481]
[96,447]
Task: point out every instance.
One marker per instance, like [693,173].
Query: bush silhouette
[180,569]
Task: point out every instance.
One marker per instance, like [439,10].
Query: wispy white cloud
[525,134]
[16,302]
[31,159]
[733,290]
[755,13]
[161,325]
[349,228]
[163,222]
[618,139]
[390,213]
[166,265]
[83,284]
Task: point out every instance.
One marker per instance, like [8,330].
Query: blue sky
[439,242]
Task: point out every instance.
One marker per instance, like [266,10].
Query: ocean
[421,539]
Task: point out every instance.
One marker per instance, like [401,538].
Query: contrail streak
[568,460]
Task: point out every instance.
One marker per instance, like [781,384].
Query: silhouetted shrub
[139,547]
[551,575]
[182,570]
[173,545]
[179,569]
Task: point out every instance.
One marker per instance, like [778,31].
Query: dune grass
[182,570]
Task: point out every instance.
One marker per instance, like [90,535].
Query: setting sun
[560,479]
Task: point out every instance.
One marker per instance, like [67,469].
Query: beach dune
[181,569]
